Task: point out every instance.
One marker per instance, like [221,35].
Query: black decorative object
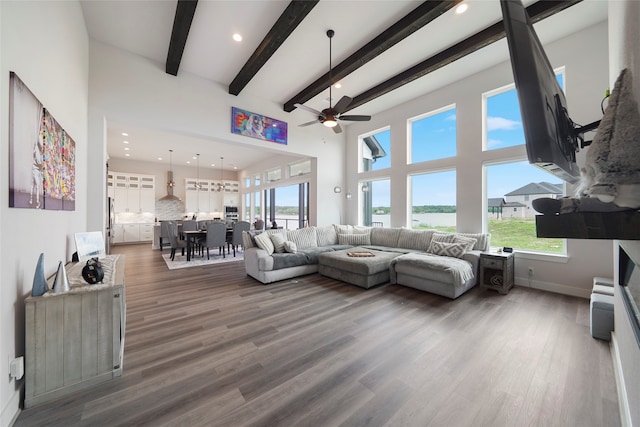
[92,272]
[507,249]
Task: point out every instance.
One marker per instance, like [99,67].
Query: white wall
[132,90]
[585,55]
[46,44]
[624,34]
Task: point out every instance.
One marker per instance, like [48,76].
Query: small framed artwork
[258,126]
[90,245]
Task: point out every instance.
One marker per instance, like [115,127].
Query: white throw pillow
[290,247]
[278,242]
[264,242]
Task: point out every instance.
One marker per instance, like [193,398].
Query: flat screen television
[551,137]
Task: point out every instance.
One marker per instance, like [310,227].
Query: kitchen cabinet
[131,233]
[208,198]
[132,193]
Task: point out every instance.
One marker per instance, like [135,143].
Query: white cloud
[492,143]
[451,117]
[500,123]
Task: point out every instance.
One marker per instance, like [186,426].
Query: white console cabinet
[75,339]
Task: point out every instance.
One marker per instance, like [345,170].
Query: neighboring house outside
[495,205]
[518,202]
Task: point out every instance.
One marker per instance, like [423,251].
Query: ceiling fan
[330,116]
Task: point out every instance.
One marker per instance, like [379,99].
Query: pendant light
[171,183]
[221,184]
[198,185]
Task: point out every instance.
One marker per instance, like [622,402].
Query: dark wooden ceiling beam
[537,12]
[185,10]
[409,24]
[292,16]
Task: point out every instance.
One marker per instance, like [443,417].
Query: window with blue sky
[376,151]
[433,201]
[433,135]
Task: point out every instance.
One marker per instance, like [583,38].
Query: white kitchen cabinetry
[208,198]
[118,233]
[132,193]
[131,233]
[146,232]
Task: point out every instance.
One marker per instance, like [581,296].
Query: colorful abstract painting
[42,161]
[258,126]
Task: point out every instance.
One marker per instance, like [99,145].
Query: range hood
[170,185]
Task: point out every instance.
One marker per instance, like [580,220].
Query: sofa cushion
[414,239]
[467,241]
[443,237]
[303,237]
[278,240]
[312,253]
[343,229]
[354,239]
[456,250]
[327,235]
[483,240]
[290,247]
[361,229]
[385,236]
[286,260]
[264,242]
[249,238]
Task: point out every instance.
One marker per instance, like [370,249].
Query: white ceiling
[144,28]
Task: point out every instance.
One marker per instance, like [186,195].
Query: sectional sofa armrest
[474,258]
[256,259]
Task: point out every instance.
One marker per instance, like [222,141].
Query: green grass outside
[513,232]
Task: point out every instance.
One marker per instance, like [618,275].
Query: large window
[433,201]
[503,122]
[376,149]
[511,188]
[376,202]
[433,135]
[288,206]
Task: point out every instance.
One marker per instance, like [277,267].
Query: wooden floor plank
[211,346]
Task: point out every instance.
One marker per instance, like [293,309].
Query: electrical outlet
[530,271]
[16,368]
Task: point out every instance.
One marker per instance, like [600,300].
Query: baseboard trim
[623,403]
[11,410]
[553,287]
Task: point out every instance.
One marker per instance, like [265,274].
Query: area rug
[180,261]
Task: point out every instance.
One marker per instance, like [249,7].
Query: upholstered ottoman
[601,322]
[365,272]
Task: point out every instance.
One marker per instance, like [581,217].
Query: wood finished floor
[209,346]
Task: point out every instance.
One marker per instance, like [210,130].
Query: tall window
[376,202]
[503,122]
[433,201]
[247,207]
[511,188]
[376,149]
[433,135]
[289,206]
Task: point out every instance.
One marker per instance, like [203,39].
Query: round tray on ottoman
[363,271]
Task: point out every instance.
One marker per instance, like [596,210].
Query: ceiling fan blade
[310,123]
[337,129]
[356,118]
[309,109]
[342,104]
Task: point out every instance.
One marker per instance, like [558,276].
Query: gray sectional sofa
[442,263]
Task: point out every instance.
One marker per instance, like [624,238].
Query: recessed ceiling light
[237,37]
[194,157]
[127,154]
[337,85]
[127,148]
[125,134]
[159,158]
[235,167]
[125,142]
[213,165]
[462,8]
[188,162]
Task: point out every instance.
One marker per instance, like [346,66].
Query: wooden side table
[496,271]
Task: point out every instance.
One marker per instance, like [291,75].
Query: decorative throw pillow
[468,241]
[443,237]
[264,242]
[290,247]
[357,229]
[354,239]
[304,238]
[327,235]
[278,242]
[343,229]
[448,249]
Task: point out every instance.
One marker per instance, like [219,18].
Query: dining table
[192,235]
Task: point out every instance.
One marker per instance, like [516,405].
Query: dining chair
[236,236]
[191,225]
[164,234]
[216,236]
[176,242]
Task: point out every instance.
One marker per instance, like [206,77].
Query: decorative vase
[61,283]
[39,282]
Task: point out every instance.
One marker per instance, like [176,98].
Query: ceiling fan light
[330,123]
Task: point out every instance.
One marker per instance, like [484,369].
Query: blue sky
[434,137]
